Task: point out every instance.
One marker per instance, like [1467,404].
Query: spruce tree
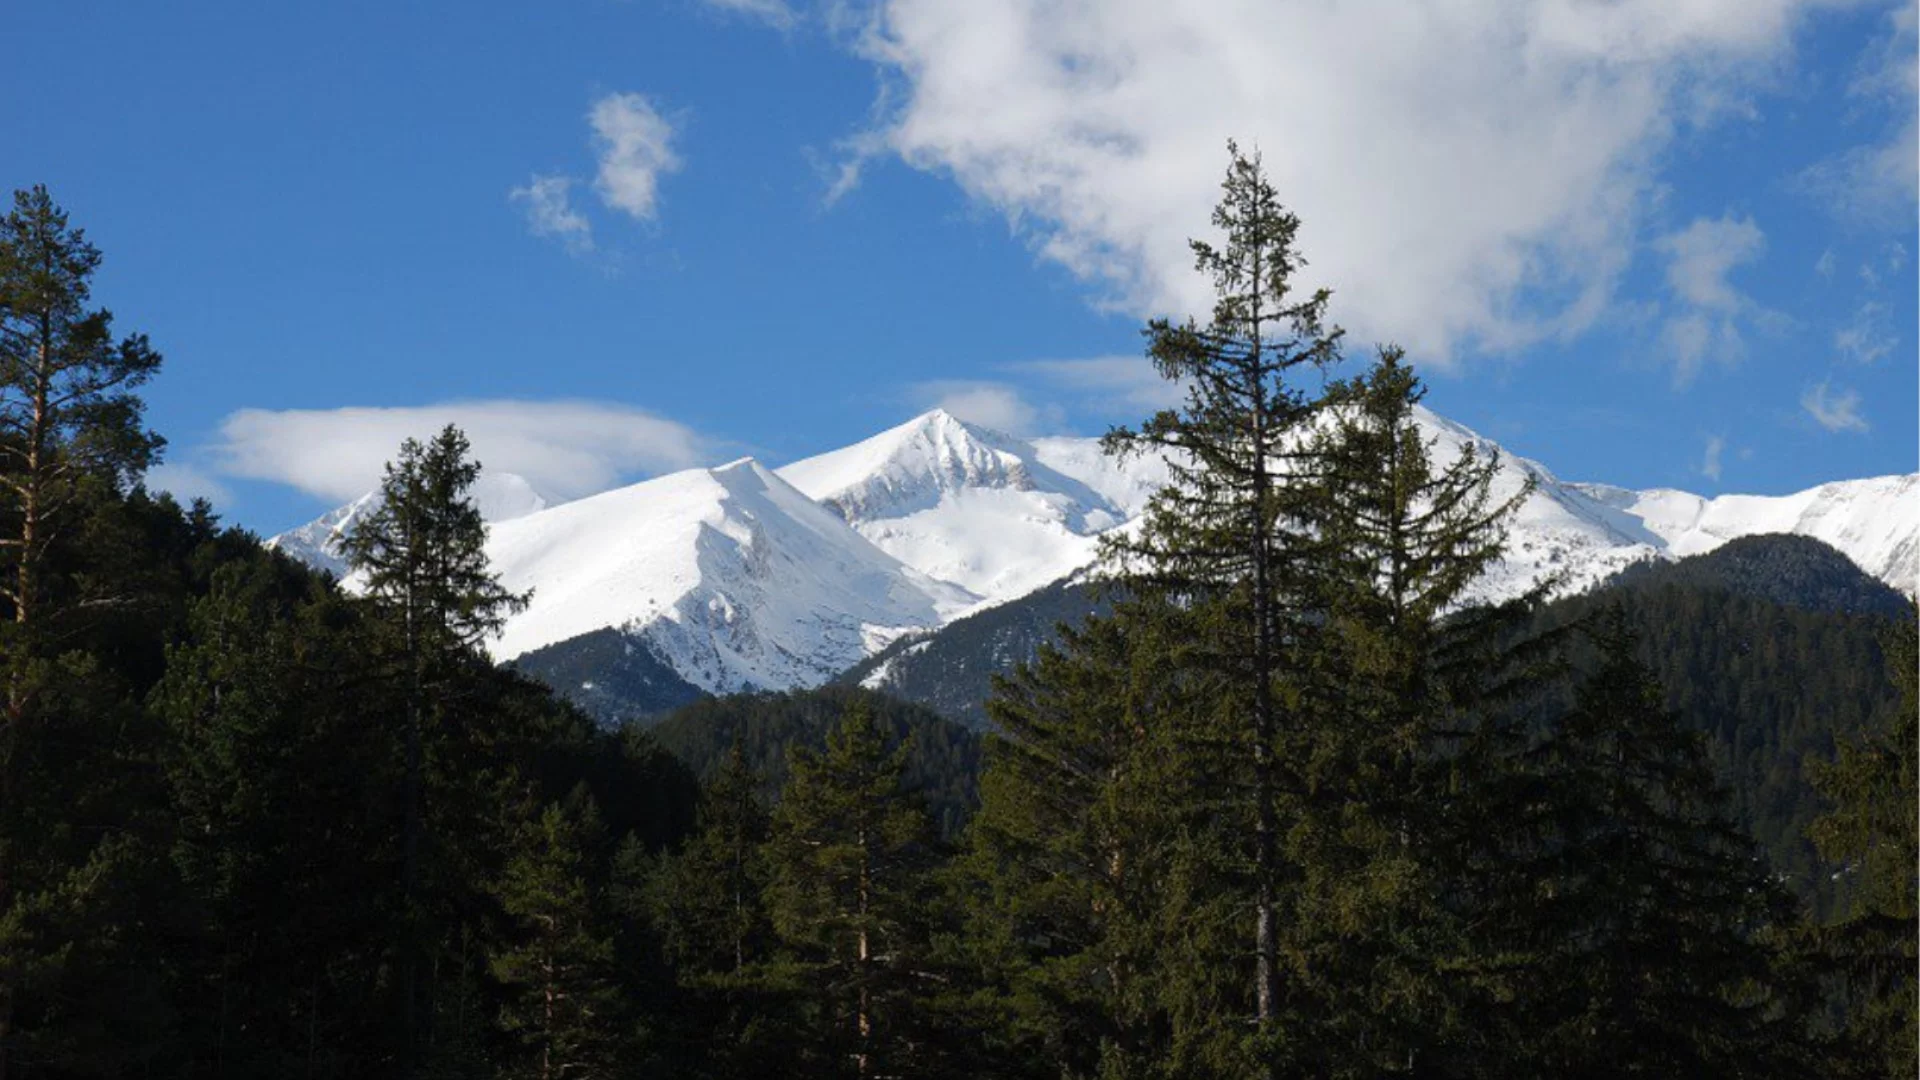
[1104,920]
[1403,723]
[422,560]
[1220,535]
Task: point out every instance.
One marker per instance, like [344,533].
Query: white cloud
[1470,175]
[1877,182]
[550,212]
[1707,325]
[565,449]
[1869,338]
[989,404]
[1835,410]
[1710,460]
[635,147]
[1824,267]
[774,13]
[186,483]
[1109,383]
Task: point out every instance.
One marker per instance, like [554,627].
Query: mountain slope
[731,576]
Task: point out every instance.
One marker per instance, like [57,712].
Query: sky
[1656,243]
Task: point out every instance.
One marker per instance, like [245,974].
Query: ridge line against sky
[1651,243]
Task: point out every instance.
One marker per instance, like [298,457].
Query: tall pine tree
[70,429]
[849,850]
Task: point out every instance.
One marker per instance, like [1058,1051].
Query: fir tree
[1402,725]
[1219,534]
[1104,919]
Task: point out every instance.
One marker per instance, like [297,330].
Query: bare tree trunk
[863,1017]
[1266,976]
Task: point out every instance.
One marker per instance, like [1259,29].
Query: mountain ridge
[741,577]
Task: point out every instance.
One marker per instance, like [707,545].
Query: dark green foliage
[1647,930]
[251,825]
[1772,686]
[1223,537]
[1871,835]
[951,671]
[612,676]
[943,758]
[847,862]
[562,1007]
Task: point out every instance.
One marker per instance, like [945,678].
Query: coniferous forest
[1285,806]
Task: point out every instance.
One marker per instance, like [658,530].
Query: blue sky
[1654,242]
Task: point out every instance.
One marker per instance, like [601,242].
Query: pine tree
[709,894]
[70,428]
[563,1007]
[1219,534]
[422,555]
[1872,836]
[849,849]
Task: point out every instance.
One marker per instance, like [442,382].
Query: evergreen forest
[1283,805]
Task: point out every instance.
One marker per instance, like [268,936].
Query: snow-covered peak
[995,514]
[730,574]
[908,468]
[499,496]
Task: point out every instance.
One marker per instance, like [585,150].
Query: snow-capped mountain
[997,515]
[741,577]
[730,575]
[500,496]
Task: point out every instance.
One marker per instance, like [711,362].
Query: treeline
[1285,811]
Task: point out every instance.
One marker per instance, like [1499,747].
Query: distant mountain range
[742,577]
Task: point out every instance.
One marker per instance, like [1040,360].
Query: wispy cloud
[566,449]
[550,212]
[1876,183]
[635,147]
[1707,325]
[1710,459]
[187,482]
[774,13]
[1834,409]
[990,404]
[1108,384]
[1869,337]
